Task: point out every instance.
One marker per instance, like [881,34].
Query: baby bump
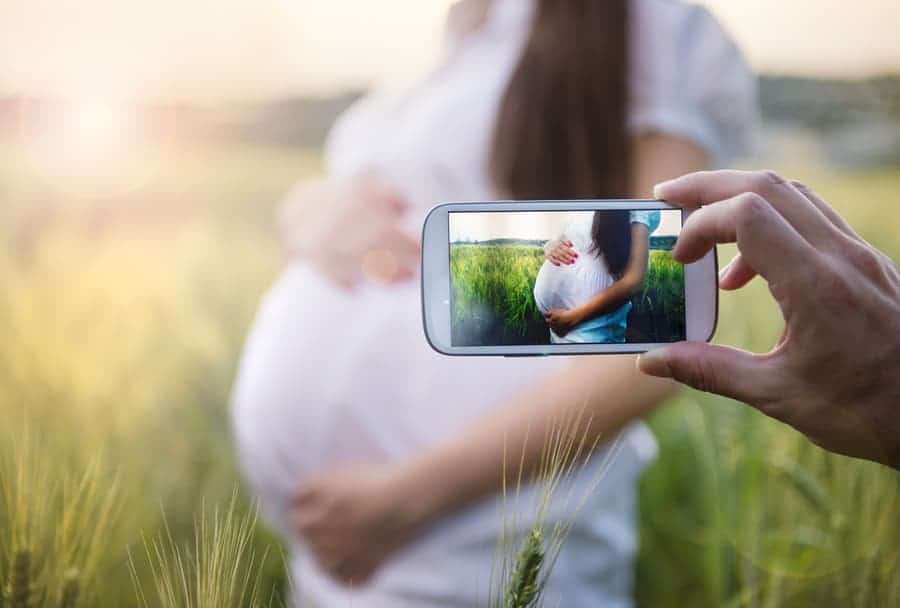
[330,377]
[568,286]
[293,379]
[548,286]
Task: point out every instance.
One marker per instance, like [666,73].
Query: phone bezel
[701,281]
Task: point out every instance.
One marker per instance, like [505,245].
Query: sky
[258,49]
[541,225]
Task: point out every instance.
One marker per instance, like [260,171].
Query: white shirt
[331,378]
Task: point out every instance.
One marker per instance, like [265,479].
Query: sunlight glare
[95,125]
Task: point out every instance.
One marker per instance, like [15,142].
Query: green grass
[493,297]
[123,314]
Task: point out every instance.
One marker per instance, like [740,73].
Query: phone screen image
[564,277]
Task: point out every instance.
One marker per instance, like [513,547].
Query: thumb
[722,370]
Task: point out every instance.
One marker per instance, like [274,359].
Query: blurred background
[143,149]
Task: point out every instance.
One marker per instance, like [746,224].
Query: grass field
[493,301]
[123,312]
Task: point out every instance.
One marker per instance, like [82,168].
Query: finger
[405,274]
[827,210]
[764,238]
[710,368]
[353,574]
[710,187]
[394,255]
[736,274]
[308,520]
[340,271]
[386,197]
[306,496]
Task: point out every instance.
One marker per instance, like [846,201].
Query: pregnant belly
[550,287]
[566,287]
[331,377]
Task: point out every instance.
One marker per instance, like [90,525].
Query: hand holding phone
[834,374]
[561,277]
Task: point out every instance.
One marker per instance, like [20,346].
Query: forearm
[606,301]
[603,394]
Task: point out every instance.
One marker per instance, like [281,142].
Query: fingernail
[660,189]
[654,363]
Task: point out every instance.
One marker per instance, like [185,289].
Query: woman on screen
[586,298]
[381,461]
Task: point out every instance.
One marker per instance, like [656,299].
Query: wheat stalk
[566,450]
[524,585]
[57,521]
[221,569]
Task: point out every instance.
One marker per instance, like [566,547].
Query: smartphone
[534,278]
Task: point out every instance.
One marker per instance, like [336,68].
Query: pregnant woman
[591,271]
[380,461]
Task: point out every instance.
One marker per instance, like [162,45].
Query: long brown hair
[611,238]
[561,131]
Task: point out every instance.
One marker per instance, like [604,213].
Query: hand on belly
[354,518]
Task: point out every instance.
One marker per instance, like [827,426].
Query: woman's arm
[488,456]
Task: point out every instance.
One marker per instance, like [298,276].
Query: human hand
[560,252]
[350,230]
[354,518]
[561,321]
[834,374]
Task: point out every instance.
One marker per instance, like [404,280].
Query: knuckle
[751,209]
[802,188]
[765,180]
[707,375]
[869,262]
[700,373]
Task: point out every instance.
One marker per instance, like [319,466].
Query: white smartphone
[532,278]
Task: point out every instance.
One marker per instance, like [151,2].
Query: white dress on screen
[313,395]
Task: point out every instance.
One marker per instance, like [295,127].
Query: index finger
[764,238]
[709,187]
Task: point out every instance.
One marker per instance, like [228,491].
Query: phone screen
[556,277]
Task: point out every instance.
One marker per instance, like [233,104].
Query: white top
[330,377]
